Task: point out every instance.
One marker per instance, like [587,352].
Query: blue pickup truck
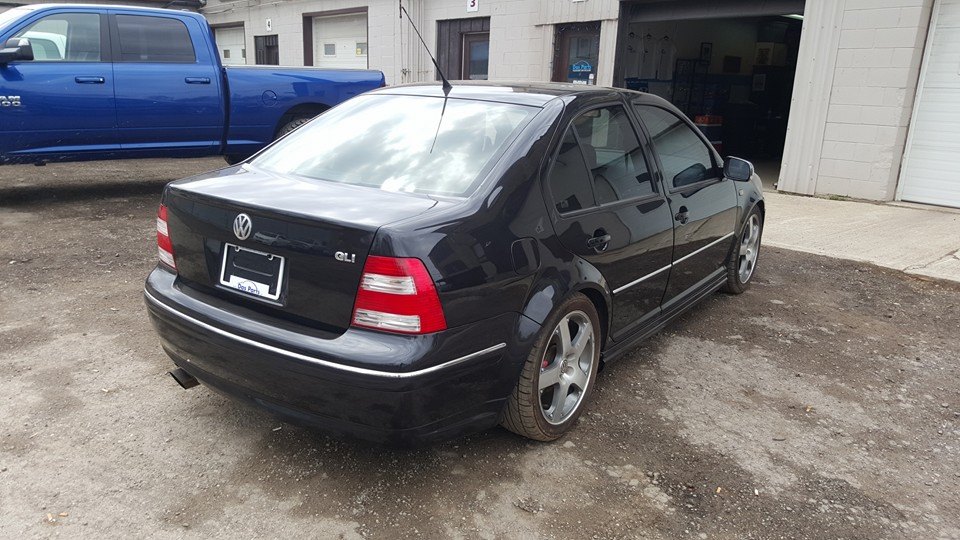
[103,82]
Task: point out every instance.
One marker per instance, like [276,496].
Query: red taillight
[164,246]
[398,295]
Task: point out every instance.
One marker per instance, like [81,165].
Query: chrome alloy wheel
[566,367]
[749,247]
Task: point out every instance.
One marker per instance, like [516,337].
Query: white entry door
[340,41]
[931,167]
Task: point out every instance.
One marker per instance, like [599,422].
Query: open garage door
[728,65]
[932,157]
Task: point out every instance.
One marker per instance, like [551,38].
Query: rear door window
[684,156]
[599,161]
[154,39]
[613,155]
[569,177]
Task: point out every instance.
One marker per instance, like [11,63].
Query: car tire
[292,125]
[568,373]
[742,261]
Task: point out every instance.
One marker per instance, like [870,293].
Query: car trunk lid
[302,251]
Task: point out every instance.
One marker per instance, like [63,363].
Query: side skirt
[671,311]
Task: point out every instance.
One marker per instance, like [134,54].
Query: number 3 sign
[473,5]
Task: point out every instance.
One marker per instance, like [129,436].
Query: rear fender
[554,287]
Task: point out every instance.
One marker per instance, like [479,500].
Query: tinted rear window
[401,143]
[154,39]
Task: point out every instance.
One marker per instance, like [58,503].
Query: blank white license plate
[252,272]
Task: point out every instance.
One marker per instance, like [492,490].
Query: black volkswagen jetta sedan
[413,266]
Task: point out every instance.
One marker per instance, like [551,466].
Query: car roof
[536,94]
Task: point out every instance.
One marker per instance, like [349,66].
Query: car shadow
[29,195]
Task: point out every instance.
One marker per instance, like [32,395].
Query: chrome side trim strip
[671,265]
[644,278]
[325,363]
[708,246]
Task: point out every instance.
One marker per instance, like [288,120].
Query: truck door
[62,101]
[168,85]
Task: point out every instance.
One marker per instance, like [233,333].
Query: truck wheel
[559,373]
[292,125]
[233,159]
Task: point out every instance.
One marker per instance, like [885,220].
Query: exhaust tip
[184,379]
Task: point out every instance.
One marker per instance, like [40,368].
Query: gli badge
[343,256]
[242,226]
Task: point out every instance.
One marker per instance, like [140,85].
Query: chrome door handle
[89,80]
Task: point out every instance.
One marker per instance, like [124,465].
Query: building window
[329,49]
[361,48]
[576,53]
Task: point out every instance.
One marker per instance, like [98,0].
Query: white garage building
[819,93]
[857,98]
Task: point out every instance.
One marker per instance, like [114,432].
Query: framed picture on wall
[706,52]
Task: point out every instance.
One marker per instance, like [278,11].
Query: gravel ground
[824,403]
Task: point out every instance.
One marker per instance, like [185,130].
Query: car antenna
[446,84]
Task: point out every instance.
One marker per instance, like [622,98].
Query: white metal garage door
[230,43]
[340,41]
[931,168]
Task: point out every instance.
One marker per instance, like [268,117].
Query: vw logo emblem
[242,226]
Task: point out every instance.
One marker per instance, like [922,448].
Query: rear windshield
[412,144]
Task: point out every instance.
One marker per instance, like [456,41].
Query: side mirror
[16,49]
[737,169]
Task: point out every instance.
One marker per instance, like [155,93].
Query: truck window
[71,37]
[154,39]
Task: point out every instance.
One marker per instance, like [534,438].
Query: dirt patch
[824,403]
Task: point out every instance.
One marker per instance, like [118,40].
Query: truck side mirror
[16,49]
[737,169]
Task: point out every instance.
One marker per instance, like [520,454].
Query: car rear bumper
[381,387]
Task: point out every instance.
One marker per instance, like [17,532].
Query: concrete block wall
[871,99]
[287,23]
[521,32]
[517,43]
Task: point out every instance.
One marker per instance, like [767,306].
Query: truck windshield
[401,143]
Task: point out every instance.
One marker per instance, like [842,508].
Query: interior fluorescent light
[794,16]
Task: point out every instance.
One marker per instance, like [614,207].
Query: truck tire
[233,159]
[292,125]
